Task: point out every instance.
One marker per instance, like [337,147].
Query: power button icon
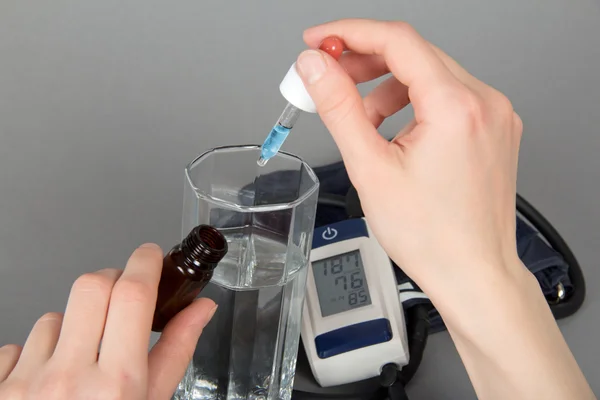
[329,234]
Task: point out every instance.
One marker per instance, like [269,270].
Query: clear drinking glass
[267,214]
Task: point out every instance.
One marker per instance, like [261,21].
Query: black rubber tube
[570,305]
[418,332]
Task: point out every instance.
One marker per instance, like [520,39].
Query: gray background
[102,103]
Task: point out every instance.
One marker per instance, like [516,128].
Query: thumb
[171,355]
[340,106]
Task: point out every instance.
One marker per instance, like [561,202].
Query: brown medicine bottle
[187,269]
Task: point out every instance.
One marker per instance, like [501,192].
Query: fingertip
[193,318]
[311,35]
[51,317]
[306,37]
[151,250]
[205,303]
[113,273]
[12,349]
[150,246]
[206,300]
[312,65]
[341,28]
[9,356]
[208,307]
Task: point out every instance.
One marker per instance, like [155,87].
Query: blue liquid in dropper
[273,143]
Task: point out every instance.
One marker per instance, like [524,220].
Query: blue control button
[353,337]
[338,232]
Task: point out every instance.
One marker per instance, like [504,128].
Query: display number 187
[337,266]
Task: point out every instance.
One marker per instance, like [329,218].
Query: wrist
[486,295]
[505,332]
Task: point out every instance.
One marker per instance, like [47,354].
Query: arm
[510,343]
[440,198]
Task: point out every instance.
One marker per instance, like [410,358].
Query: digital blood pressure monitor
[352,323]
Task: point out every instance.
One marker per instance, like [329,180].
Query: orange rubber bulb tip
[333,45]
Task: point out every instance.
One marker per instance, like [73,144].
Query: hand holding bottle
[62,357]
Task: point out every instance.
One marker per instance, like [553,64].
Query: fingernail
[211,314]
[150,246]
[311,65]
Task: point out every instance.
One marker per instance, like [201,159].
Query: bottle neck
[204,246]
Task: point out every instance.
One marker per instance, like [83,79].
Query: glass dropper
[292,88]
